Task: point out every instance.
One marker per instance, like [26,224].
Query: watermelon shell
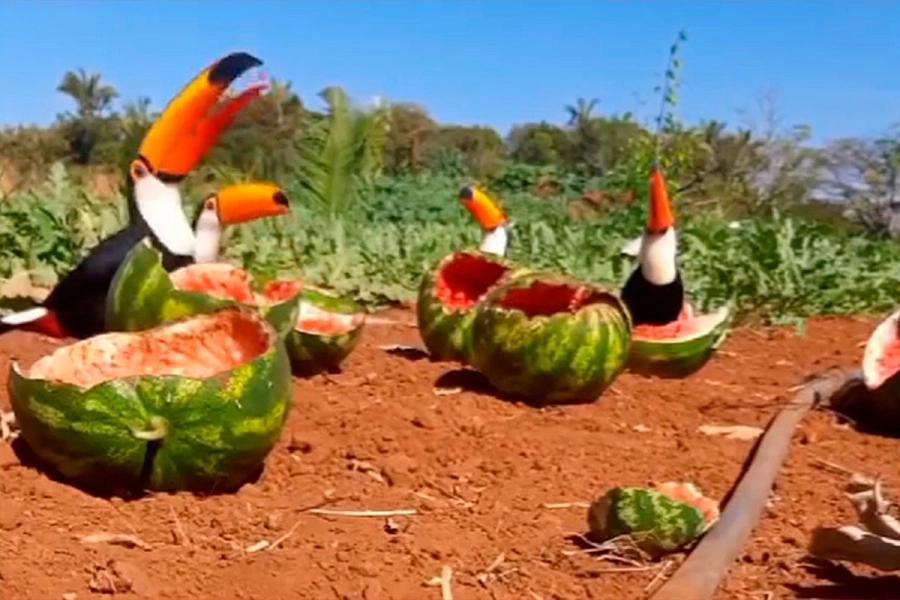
[881,372]
[549,338]
[143,294]
[328,328]
[195,404]
[680,348]
[447,295]
[658,521]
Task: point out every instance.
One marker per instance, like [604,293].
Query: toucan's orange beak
[191,123]
[660,217]
[484,209]
[248,201]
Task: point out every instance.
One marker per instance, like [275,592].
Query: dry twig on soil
[876,543]
[119,539]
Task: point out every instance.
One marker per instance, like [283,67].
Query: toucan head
[232,205]
[491,217]
[659,245]
[189,127]
[482,207]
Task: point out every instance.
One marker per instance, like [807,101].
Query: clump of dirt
[496,487]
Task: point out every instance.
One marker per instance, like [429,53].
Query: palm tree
[582,112]
[93,98]
[91,95]
[342,152]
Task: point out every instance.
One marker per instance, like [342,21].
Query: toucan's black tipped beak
[191,123]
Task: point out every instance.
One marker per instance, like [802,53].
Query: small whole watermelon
[328,327]
[447,296]
[658,520]
[143,294]
[679,348]
[550,338]
[195,404]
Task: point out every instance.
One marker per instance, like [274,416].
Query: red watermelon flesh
[200,347]
[545,299]
[685,325]
[463,280]
[225,281]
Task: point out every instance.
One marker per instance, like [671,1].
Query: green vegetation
[374,191]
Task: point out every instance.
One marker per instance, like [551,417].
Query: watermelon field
[395,471]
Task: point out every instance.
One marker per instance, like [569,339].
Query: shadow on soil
[844,583]
[28,459]
[470,380]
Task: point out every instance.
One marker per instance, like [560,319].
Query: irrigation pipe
[701,573]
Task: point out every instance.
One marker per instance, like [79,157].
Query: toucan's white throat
[657,257]
[208,239]
[495,240]
[161,208]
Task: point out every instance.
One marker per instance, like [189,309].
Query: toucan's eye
[210,204]
[138,170]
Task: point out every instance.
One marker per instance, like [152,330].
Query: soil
[478,470]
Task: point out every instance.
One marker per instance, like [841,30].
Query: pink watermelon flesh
[687,492]
[465,279]
[686,325]
[882,355]
[545,299]
[225,281]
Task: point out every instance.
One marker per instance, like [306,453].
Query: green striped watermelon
[550,338]
[143,294]
[680,348]
[195,404]
[658,520]
[447,296]
[328,327]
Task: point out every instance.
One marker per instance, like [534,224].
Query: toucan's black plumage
[653,304]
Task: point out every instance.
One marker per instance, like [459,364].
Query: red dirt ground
[477,469]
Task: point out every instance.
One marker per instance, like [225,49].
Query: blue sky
[832,65]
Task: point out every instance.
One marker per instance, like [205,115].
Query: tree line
[597,158]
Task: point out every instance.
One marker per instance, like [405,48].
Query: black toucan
[186,131]
[233,204]
[654,293]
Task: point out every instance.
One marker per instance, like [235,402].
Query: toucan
[654,293]
[495,225]
[234,204]
[187,129]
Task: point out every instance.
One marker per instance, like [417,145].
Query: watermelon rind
[883,382]
[445,332]
[680,356]
[314,352]
[160,432]
[655,522]
[568,357]
[142,296]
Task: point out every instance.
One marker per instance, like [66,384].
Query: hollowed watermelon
[679,348]
[659,520]
[550,338]
[143,294]
[328,327]
[881,371]
[194,404]
[447,296]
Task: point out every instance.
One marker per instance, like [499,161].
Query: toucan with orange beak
[654,293]
[495,225]
[186,131]
[234,204]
